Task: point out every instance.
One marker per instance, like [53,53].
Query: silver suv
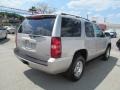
[60,43]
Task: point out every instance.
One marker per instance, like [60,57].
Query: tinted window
[41,26]
[70,27]
[89,29]
[20,29]
[98,31]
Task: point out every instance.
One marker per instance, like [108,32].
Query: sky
[102,9]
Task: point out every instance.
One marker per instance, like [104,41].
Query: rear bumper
[52,65]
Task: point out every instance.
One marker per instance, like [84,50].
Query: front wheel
[75,71]
[6,36]
[106,55]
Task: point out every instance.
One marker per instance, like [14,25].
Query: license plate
[29,45]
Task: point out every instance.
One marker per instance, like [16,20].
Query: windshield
[40,26]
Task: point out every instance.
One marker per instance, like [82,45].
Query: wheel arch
[82,52]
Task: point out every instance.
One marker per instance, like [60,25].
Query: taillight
[56,47]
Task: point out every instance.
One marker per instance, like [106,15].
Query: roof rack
[74,16]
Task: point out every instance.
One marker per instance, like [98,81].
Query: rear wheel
[107,53]
[75,71]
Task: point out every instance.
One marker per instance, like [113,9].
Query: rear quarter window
[70,27]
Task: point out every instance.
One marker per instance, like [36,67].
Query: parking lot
[14,75]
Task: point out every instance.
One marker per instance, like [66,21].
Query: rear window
[37,26]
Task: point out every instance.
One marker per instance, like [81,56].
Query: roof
[39,15]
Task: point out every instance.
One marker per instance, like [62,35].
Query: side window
[98,31]
[70,27]
[89,29]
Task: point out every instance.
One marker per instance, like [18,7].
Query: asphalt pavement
[98,75]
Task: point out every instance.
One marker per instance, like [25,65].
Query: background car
[3,33]
[112,33]
[10,29]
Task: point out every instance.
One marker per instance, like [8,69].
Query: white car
[10,29]
[111,33]
[3,33]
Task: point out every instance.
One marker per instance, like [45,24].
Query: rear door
[70,36]
[34,37]
[90,42]
[101,40]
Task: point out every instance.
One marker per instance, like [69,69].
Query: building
[106,25]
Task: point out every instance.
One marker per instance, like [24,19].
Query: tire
[5,37]
[106,55]
[76,69]
[118,44]
[8,32]
[118,47]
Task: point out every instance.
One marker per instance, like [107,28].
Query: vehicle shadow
[96,71]
[2,41]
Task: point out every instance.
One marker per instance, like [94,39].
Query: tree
[42,8]
[33,9]
[51,10]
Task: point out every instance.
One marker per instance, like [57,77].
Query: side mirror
[107,34]
[102,35]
